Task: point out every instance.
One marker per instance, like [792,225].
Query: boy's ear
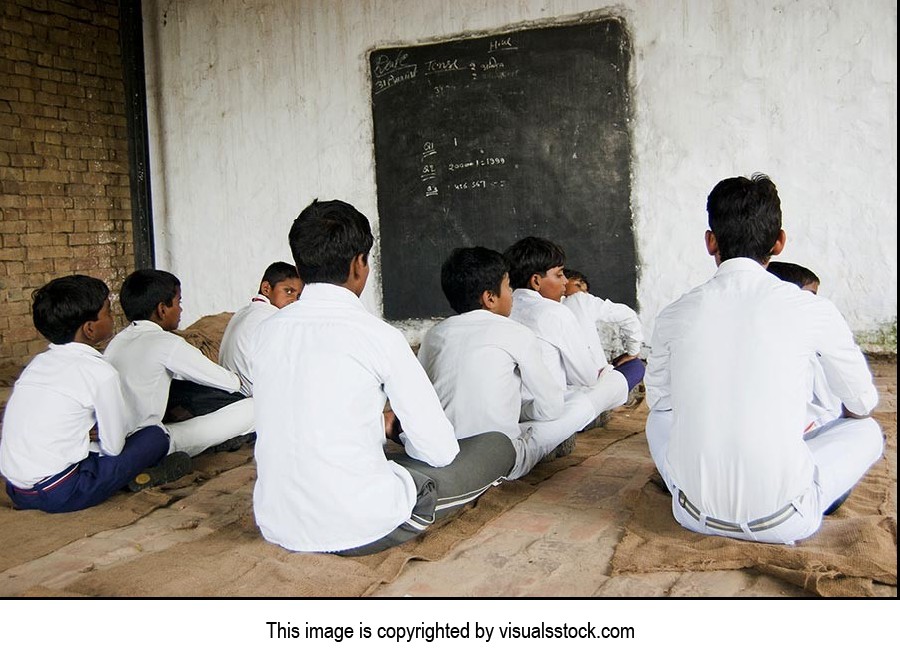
[161,310]
[488,300]
[358,274]
[88,330]
[779,243]
[712,245]
[534,283]
[265,288]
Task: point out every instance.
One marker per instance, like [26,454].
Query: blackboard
[482,141]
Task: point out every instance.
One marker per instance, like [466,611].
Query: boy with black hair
[479,361]
[279,287]
[728,381]
[66,444]
[323,370]
[150,358]
[537,277]
[796,274]
[594,312]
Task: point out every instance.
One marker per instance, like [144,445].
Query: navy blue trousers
[633,370]
[94,479]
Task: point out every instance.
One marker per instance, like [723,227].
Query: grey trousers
[483,460]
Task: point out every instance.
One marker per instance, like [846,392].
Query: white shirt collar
[330,293]
[739,264]
[74,346]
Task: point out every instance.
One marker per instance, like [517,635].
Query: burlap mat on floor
[855,548]
[29,534]
[234,561]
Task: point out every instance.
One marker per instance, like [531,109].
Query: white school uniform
[593,312]
[566,350]
[148,358]
[59,397]
[478,363]
[234,351]
[323,370]
[728,381]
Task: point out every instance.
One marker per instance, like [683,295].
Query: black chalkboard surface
[486,140]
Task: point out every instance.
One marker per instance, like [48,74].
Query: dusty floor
[557,542]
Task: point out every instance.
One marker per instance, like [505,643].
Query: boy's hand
[392,427]
[94,433]
[621,359]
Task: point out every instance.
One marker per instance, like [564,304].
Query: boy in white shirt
[728,382]
[479,361]
[67,443]
[595,313]
[279,287]
[149,356]
[537,277]
[324,368]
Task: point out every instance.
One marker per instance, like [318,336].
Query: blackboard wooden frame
[485,140]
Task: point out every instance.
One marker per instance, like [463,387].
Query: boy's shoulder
[65,362]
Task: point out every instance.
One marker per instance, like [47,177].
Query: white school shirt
[323,369]
[591,310]
[478,362]
[234,351]
[59,397]
[731,360]
[148,358]
[564,344]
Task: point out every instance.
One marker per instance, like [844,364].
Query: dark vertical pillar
[131,40]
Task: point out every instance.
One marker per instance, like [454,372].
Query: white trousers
[539,438]
[842,452]
[201,432]
[610,391]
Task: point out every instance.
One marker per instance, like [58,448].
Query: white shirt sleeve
[845,368]
[109,408]
[188,363]
[427,434]
[548,395]
[657,379]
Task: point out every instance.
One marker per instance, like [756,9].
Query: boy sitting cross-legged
[324,368]
[479,361]
[66,444]
[149,357]
[536,275]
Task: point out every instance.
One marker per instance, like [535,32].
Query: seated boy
[279,287]
[149,356]
[595,313]
[728,380]
[324,368]
[823,406]
[479,360]
[536,275]
[66,443]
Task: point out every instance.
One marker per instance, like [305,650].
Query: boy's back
[319,417]
[478,362]
[564,343]
[58,398]
[731,358]
[147,357]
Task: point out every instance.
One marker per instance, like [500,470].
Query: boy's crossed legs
[483,460]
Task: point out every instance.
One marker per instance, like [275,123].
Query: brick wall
[65,203]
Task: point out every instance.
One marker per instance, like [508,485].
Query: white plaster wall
[257,106]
